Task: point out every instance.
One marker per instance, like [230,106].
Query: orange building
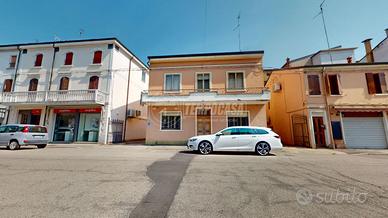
[201,94]
[341,105]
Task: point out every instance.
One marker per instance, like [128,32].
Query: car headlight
[193,140]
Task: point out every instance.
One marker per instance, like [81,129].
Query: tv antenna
[239,30]
[325,28]
[81,32]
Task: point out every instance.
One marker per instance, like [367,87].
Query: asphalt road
[139,181]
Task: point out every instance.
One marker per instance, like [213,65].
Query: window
[236,81]
[238,119]
[231,131]
[33,85]
[7,85]
[376,83]
[64,83]
[12,61]
[2,129]
[314,85]
[93,82]
[38,60]
[97,57]
[171,121]
[257,132]
[203,82]
[337,130]
[69,58]
[143,75]
[333,85]
[172,82]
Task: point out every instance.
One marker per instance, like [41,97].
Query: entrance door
[319,131]
[204,122]
[65,127]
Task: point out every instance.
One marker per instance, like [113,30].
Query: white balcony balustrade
[54,97]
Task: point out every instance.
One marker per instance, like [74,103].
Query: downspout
[327,107]
[14,81]
[110,93]
[127,98]
[50,81]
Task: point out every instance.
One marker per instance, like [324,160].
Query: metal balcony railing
[54,97]
[219,91]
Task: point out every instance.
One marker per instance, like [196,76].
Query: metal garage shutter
[364,132]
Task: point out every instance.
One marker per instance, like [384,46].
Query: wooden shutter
[327,85]
[38,61]
[370,83]
[97,57]
[64,85]
[93,82]
[7,85]
[69,58]
[33,85]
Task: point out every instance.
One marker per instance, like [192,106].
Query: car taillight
[25,129]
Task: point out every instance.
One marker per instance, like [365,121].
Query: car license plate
[38,136]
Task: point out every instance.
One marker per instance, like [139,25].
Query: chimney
[386,31]
[287,65]
[350,60]
[368,51]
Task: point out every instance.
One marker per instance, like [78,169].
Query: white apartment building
[82,90]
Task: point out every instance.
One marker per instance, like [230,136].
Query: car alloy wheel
[205,148]
[13,145]
[263,148]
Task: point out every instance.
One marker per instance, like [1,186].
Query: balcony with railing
[214,95]
[54,97]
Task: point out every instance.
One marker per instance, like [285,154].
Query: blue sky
[282,28]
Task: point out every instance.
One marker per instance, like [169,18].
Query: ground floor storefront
[65,124]
[175,124]
[340,128]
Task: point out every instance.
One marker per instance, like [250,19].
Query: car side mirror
[219,134]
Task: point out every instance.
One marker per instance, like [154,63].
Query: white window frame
[227,81]
[172,113]
[196,80]
[230,112]
[165,80]
[143,76]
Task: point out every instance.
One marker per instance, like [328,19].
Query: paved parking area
[141,181]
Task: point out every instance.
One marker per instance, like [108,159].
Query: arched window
[33,85]
[93,82]
[38,60]
[69,58]
[97,57]
[7,85]
[64,84]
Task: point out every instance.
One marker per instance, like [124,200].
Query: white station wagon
[239,138]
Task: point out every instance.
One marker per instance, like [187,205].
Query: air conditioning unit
[133,113]
[277,87]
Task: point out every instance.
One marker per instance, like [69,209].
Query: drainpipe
[50,81]
[127,98]
[327,106]
[14,81]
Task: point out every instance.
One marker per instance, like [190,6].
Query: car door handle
[254,136]
[12,134]
[234,137]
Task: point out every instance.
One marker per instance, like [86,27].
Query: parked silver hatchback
[15,135]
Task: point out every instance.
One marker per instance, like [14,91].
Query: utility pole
[325,28]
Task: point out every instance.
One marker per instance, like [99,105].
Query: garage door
[364,132]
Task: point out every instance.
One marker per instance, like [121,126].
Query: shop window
[172,82]
[170,121]
[7,85]
[203,82]
[38,60]
[376,83]
[69,58]
[33,85]
[333,83]
[12,61]
[64,83]
[314,85]
[97,57]
[93,82]
[236,81]
[238,119]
